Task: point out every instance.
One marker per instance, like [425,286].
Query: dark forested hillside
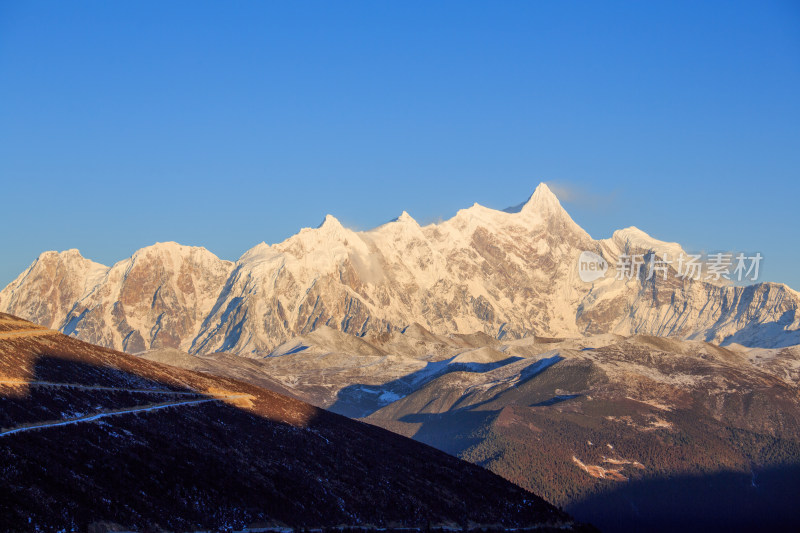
[94,436]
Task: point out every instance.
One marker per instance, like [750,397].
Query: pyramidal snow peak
[542,200]
[405,218]
[507,274]
[330,222]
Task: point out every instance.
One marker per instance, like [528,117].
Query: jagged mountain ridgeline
[508,274]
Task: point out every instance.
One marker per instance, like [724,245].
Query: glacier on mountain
[507,274]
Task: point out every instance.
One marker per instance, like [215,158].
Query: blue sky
[228,124]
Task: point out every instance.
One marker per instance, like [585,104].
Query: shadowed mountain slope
[613,428]
[94,436]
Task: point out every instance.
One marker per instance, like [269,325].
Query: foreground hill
[630,433]
[91,437]
[508,274]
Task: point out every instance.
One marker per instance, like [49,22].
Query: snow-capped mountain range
[509,274]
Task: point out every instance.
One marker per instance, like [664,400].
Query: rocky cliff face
[156,298]
[505,273]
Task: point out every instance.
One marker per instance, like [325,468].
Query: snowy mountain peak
[257,253]
[633,239]
[73,254]
[70,252]
[71,258]
[330,222]
[509,273]
[542,205]
[405,219]
[542,200]
[167,248]
[174,254]
[328,235]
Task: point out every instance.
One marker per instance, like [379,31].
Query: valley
[580,421]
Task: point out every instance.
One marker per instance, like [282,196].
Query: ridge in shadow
[723,501]
[216,464]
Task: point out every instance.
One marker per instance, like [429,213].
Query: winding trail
[13,382]
[17,333]
[103,414]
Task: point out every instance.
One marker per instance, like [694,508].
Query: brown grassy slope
[251,456]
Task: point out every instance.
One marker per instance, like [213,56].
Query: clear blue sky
[227,124]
